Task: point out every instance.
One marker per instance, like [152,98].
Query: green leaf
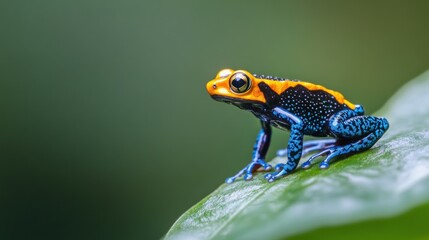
[387,180]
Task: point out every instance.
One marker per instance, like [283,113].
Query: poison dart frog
[302,108]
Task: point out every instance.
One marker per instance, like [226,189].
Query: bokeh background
[106,127]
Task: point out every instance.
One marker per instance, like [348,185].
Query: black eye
[239,83]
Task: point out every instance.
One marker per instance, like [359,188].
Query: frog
[339,127]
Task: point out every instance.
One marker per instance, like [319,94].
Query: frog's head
[236,87]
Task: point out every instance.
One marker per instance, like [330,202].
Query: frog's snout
[211,87]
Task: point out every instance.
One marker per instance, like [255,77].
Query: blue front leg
[294,148]
[260,149]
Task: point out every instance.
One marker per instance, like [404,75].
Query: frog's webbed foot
[247,171]
[311,146]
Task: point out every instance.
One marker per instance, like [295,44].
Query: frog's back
[313,107]
[313,104]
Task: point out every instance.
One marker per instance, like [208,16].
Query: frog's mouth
[243,104]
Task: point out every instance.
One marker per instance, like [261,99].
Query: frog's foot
[259,164]
[324,164]
[282,169]
[271,177]
[311,146]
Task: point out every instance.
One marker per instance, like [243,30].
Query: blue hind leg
[308,147]
[358,132]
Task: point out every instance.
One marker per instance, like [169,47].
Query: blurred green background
[107,130]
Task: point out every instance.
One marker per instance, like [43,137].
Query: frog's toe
[264,166]
[267,176]
[324,165]
[279,166]
[306,165]
[247,176]
[230,180]
[259,165]
[271,177]
[267,167]
[247,171]
[239,174]
[282,153]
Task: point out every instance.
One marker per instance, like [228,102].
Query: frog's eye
[239,83]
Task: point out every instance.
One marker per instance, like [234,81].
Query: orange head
[235,87]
